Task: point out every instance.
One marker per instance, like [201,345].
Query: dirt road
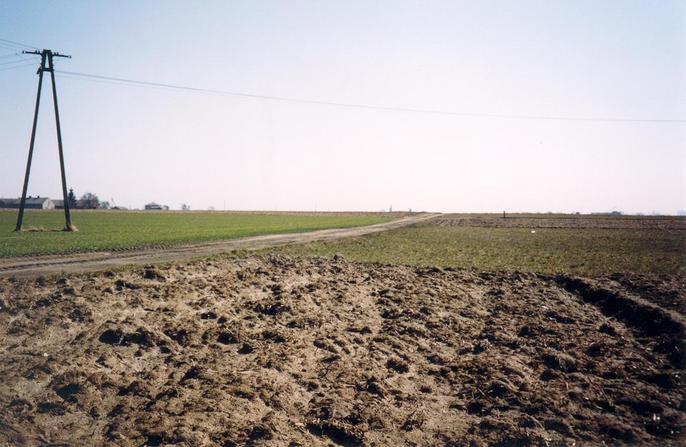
[88,262]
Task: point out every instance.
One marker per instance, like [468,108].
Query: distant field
[585,245]
[118,230]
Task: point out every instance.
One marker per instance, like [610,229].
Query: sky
[132,145]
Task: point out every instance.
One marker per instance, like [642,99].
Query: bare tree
[89,201]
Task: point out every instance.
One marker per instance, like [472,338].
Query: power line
[124,81]
[6,55]
[18,44]
[15,60]
[22,64]
[9,47]
[101,81]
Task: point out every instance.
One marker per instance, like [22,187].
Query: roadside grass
[586,251]
[120,230]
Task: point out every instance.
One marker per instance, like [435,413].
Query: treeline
[88,201]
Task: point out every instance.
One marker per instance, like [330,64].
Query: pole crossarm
[54,53]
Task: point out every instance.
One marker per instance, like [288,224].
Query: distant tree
[89,201]
[185,207]
[71,198]
[105,205]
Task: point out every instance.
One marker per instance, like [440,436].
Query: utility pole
[46,64]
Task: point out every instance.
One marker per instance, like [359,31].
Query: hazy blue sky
[613,59]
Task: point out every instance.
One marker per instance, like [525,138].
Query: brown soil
[282,351]
[562,221]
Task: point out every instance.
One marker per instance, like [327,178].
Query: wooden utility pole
[46,64]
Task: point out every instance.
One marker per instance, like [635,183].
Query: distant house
[59,204]
[35,203]
[152,206]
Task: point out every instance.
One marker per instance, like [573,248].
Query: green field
[118,230]
[584,251]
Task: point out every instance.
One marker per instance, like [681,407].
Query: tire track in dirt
[648,319]
[94,261]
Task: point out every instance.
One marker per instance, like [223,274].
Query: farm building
[37,203]
[152,206]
